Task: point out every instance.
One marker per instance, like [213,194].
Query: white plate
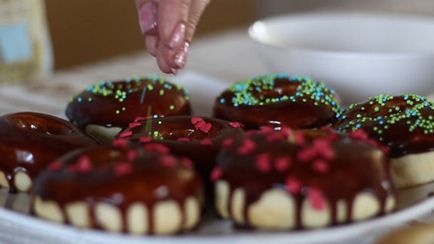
[16,226]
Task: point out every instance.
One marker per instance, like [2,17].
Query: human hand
[168,27]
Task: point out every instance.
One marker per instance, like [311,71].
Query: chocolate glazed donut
[106,108]
[404,124]
[197,138]
[278,101]
[312,180]
[121,189]
[29,142]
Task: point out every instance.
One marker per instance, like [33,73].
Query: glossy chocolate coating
[278,101]
[117,103]
[148,180]
[404,124]
[30,141]
[183,138]
[352,170]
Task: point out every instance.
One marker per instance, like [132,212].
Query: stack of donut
[275,155]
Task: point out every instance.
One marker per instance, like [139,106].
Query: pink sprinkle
[138,119]
[359,135]
[186,162]
[83,165]
[120,142]
[125,134]
[132,155]
[263,163]
[324,148]
[196,120]
[145,139]
[299,138]
[156,147]
[293,185]
[316,199]
[307,154]
[320,166]
[216,173]
[286,131]
[55,166]
[134,125]
[266,129]
[123,169]
[206,142]
[168,161]
[247,147]
[235,125]
[205,128]
[282,163]
[228,142]
[275,137]
[183,139]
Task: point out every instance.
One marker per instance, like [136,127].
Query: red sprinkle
[205,127]
[145,139]
[266,129]
[316,199]
[55,166]
[282,163]
[196,120]
[125,134]
[299,138]
[206,142]
[186,162]
[183,139]
[247,147]
[83,165]
[156,147]
[275,137]
[263,163]
[138,119]
[307,154]
[120,142]
[286,131]
[235,125]
[320,166]
[134,125]
[293,185]
[216,173]
[168,161]
[359,135]
[132,155]
[228,142]
[122,169]
[324,148]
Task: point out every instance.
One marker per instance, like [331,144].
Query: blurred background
[84,31]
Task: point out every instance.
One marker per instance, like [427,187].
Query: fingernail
[178,35]
[181,56]
[148,17]
[174,71]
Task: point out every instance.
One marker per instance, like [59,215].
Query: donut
[29,142]
[278,101]
[106,108]
[405,125]
[280,180]
[197,138]
[120,189]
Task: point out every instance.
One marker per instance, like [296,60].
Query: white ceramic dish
[16,226]
[358,54]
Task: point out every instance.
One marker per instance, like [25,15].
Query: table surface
[227,56]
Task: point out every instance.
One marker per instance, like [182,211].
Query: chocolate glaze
[352,171]
[148,181]
[30,141]
[115,104]
[404,123]
[284,103]
[199,146]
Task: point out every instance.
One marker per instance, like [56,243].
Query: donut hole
[36,123]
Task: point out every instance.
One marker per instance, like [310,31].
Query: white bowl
[358,54]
